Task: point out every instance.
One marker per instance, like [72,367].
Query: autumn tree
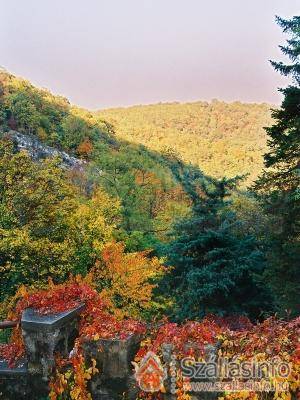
[23,111]
[36,201]
[127,280]
[46,229]
[92,224]
[85,148]
[142,181]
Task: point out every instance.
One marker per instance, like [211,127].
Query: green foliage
[24,111]
[139,179]
[145,185]
[30,110]
[91,225]
[223,139]
[46,229]
[291,50]
[217,267]
[254,220]
[55,222]
[5,335]
[74,131]
[35,201]
[279,185]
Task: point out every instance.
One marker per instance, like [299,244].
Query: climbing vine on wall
[71,375]
[234,337]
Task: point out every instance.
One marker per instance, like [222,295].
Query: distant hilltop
[221,138]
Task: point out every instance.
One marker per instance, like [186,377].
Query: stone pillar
[210,355]
[113,357]
[44,335]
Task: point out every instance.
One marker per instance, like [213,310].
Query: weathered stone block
[113,357]
[209,352]
[17,383]
[44,335]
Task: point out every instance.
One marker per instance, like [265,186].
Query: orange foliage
[85,148]
[96,320]
[238,338]
[129,278]
[146,178]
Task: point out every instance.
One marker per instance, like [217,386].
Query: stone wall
[45,335]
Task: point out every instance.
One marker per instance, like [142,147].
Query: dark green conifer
[279,185]
[216,269]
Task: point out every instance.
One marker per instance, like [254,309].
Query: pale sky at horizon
[109,53]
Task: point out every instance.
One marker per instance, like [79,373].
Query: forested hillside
[152,229]
[223,139]
[62,220]
[153,198]
[150,196]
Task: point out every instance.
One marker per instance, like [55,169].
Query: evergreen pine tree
[279,185]
[215,268]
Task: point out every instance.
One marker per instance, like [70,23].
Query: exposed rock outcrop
[38,150]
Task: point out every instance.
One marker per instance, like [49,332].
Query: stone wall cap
[32,320]
[112,340]
[19,369]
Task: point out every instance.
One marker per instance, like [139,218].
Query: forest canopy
[162,186]
[223,139]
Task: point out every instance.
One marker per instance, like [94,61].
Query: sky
[109,53]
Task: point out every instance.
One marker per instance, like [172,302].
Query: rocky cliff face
[38,150]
